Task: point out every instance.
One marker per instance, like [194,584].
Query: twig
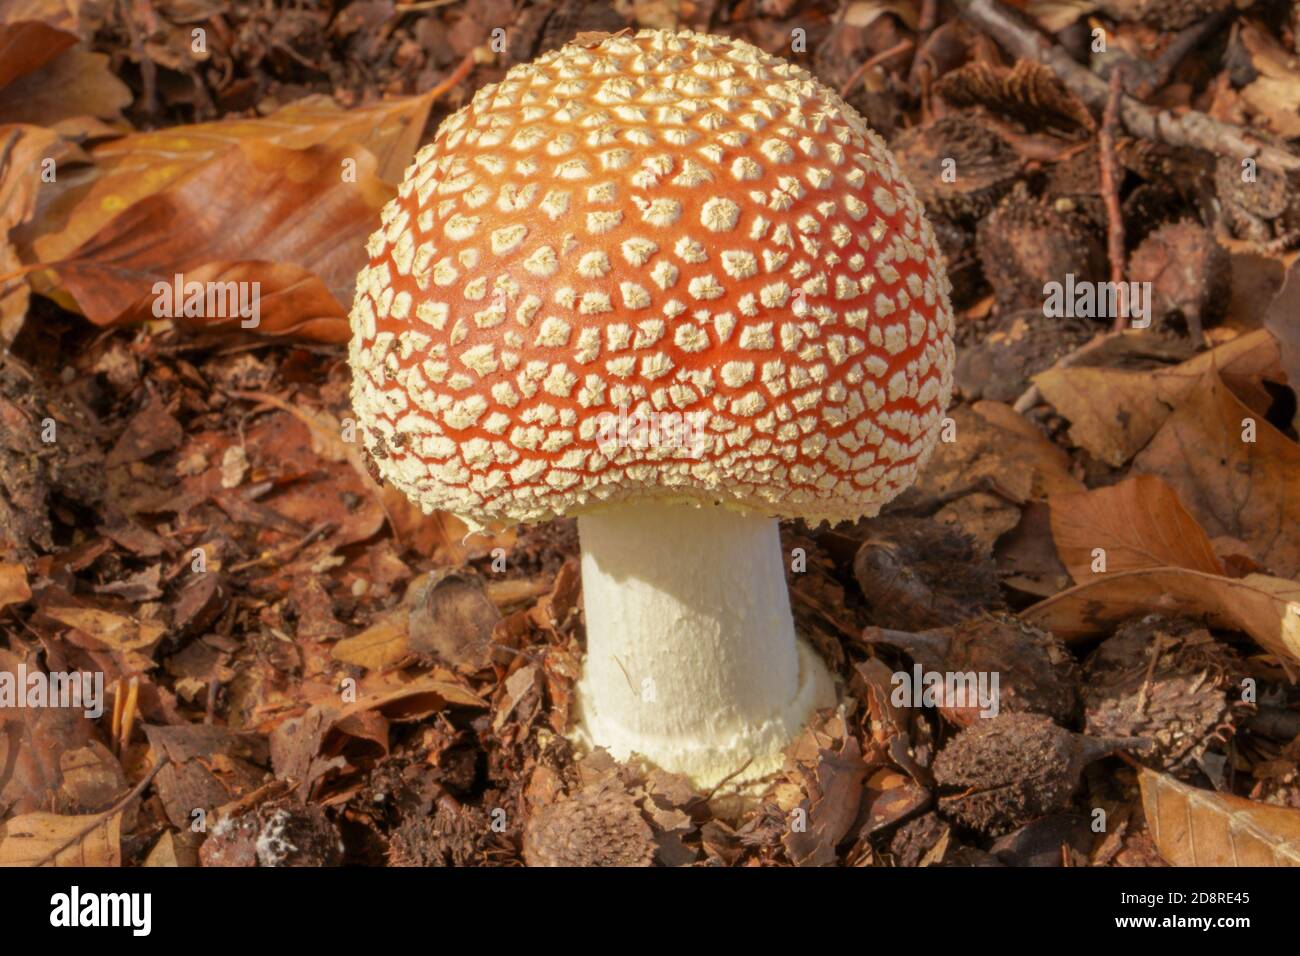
[1031,396]
[735,773]
[1141,706]
[1110,191]
[463,69]
[288,551]
[96,820]
[1021,37]
[22,271]
[148,69]
[880,57]
[1188,39]
[925,25]
[426,5]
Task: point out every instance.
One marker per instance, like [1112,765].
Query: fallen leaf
[1232,486]
[114,631]
[1055,15]
[151,430]
[1049,465]
[1115,412]
[835,793]
[1266,608]
[32,740]
[47,839]
[1280,322]
[305,749]
[412,699]
[1274,94]
[258,213]
[32,33]
[382,645]
[1138,523]
[862,13]
[75,83]
[92,778]
[13,585]
[172,850]
[1000,460]
[132,168]
[1112,412]
[1194,827]
[22,151]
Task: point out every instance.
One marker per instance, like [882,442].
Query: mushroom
[673,285]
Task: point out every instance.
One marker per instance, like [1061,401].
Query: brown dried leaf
[172,849]
[1055,15]
[835,793]
[142,164]
[13,585]
[402,699]
[998,449]
[1194,827]
[33,32]
[1274,95]
[993,443]
[1140,523]
[75,83]
[1245,489]
[151,430]
[31,742]
[382,645]
[1280,321]
[92,777]
[256,213]
[22,149]
[1114,412]
[113,631]
[49,839]
[1266,608]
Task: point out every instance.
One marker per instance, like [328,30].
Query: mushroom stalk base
[692,660]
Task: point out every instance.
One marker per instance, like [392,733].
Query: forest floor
[302,669]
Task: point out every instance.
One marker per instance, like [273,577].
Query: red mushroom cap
[666,223]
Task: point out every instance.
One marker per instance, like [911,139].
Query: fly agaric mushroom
[675,286]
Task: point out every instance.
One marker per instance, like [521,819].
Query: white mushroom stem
[692,660]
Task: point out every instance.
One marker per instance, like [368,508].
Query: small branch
[1032,395]
[148,69]
[463,69]
[926,23]
[880,57]
[97,820]
[420,7]
[1022,38]
[1188,39]
[1110,191]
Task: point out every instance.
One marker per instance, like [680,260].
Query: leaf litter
[324,675]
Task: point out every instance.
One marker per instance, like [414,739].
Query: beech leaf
[1194,827]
